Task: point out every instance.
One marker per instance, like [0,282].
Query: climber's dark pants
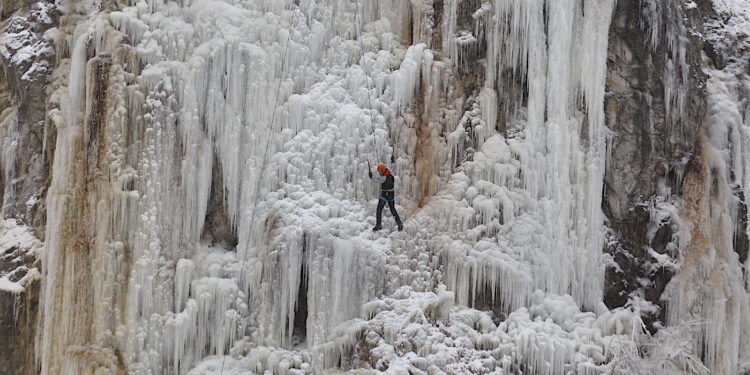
[387,196]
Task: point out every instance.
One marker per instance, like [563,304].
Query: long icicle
[265,159]
[358,19]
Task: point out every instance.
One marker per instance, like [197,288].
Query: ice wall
[533,194]
[155,92]
[499,179]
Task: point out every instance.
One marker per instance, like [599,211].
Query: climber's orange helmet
[381,168]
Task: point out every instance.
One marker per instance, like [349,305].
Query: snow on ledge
[16,241]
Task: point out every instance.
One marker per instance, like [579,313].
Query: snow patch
[17,245]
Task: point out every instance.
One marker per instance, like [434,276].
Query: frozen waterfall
[209,209]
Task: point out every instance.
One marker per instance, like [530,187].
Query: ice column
[707,295]
[559,49]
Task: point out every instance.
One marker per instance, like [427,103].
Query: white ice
[515,229]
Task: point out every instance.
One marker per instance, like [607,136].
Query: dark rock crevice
[18,322]
[740,240]
[217,227]
[300,309]
[18,311]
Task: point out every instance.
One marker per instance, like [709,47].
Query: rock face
[674,186]
[26,61]
[654,114]
[218,227]
[18,319]
[19,297]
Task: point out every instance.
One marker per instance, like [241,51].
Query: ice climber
[385,179]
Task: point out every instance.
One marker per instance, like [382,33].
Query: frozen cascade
[560,172]
[708,294]
[501,267]
[154,132]
[717,301]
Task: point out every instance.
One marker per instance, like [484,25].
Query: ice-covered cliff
[184,186]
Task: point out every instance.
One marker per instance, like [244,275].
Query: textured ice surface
[499,269]
[519,220]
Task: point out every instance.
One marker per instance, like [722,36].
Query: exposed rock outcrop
[27,57]
[217,227]
[18,317]
[19,297]
[654,105]
[26,61]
